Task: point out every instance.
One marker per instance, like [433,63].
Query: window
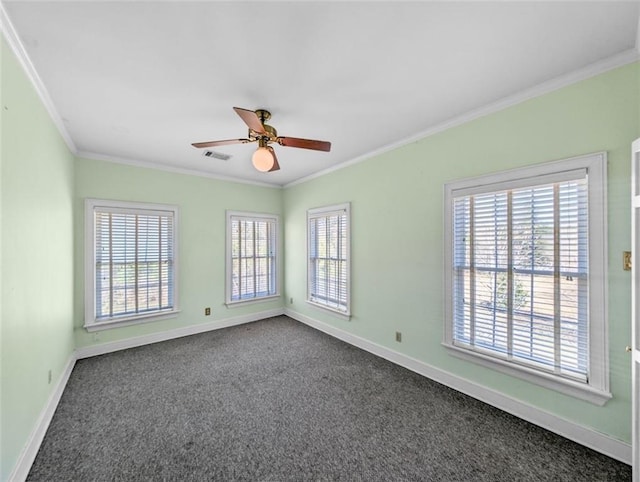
[328,256]
[130,263]
[251,256]
[525,283]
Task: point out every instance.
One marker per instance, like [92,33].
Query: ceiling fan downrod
[271,133]
[264,115]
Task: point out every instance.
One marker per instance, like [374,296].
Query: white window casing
[251,261]
[131,263]
[525,274]
[328,259]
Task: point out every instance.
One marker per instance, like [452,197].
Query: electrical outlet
[626,260]
[96,337]
[290,301]
[207,311]
[398,337]
[49,377]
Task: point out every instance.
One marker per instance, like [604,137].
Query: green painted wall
[202,224]
[37,258]
[397,219]
[396,237]
[42,245]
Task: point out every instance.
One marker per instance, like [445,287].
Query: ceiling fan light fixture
[263,159]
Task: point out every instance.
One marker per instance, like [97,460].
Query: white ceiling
[140,81]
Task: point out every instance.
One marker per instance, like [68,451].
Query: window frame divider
[250,216]
[123,207]
[325,213]
[594,167]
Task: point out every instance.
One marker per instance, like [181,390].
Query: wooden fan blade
[220,143]
[276,166]
[251,119]
[305,143]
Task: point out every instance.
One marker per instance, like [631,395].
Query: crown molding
[596,68]
[591,70]
[163,167]
[20,52]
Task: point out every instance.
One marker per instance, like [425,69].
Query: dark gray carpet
[278,401]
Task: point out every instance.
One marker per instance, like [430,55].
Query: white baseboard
[586,436]
[597,441]
[28,455]
[30,450]
[94,350]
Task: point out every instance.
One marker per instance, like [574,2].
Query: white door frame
[635,307]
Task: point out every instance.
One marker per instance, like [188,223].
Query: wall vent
[217,155]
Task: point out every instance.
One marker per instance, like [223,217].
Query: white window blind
[328,269]
[526,283]
[252,267]
[521,275]
[133,256]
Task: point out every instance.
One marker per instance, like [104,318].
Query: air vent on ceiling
[217,155]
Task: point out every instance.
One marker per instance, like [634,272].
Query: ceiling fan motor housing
[272,133]
[265,134]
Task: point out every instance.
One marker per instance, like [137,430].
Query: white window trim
[90,323]
[229,303]
[324,211]
[597,391]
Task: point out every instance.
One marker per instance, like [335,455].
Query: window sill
[340,314]
[233,304]
[129,320]
[547,380]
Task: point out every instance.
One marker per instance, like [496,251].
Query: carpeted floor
[278,401]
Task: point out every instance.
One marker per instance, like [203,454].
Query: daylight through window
[526,288]
[133,261]
[520,275]
[252,264]
[328,269]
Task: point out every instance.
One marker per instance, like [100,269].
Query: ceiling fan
[264,159]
